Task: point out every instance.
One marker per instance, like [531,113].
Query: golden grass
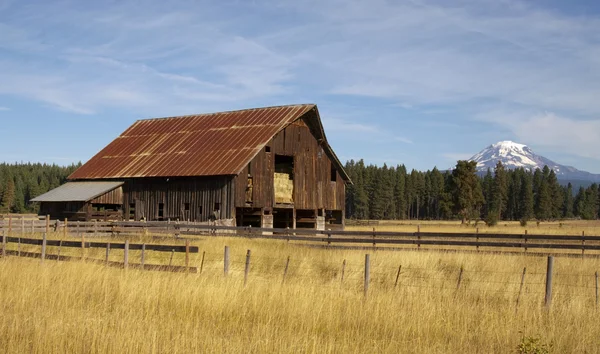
[60,307]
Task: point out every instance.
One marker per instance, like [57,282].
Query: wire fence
[346,274]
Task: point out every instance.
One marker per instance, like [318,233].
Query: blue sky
[422,83]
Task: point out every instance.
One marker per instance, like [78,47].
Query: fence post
[521,288]
[187,255]
[9,224]
[202,262]
[477,238]
[460,275]
[226,261]
[3,243]
[247,268]
[582,243]
[59,248]
[22,225]
[107,253]
[367,273]
[328,238]
[171,259]
[596,289]
[95,227]
[44,247]
[126,255]
[343,269]
[374,237]
[143,256]
[83,247]
[47,223]
[32,226]
[285,270]
[525,240]
[19,247]
[65,228]
[398,276]
[548,297]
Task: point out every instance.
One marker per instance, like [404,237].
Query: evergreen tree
[499,195]
[8,195]
[568,201]
[544,197]
[556,196]
[526,200]
[399,192]
[466,190]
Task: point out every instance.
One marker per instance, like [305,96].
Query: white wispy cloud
[4,108]
[538,69]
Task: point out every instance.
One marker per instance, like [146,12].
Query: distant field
[63,307]
[570,227]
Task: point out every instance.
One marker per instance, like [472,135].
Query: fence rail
[589,244]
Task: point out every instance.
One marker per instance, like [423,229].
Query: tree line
[395,193]
[21,182]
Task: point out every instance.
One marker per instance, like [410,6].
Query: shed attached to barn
[262,167]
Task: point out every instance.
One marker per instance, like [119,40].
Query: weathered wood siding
[200,194]
[113,197]
[313,188]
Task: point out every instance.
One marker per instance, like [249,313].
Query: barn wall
[113,197]
[313,186]
[201,194]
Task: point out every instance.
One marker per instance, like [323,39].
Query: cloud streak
[509,65]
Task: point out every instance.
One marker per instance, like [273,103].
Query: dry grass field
[83,307]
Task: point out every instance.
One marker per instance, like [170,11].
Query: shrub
[533,345]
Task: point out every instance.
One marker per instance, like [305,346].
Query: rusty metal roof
[196,145]
[77,192]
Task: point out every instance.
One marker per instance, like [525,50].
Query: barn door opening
[284,179]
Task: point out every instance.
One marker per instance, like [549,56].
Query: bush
[491,219]
[523,222]
[533,345]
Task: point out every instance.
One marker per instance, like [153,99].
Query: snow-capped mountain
[514,155]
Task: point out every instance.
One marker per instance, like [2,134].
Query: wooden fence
[500,242]
[44,243]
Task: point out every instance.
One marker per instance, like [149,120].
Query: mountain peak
[515,155]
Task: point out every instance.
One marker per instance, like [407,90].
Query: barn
[261,167]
